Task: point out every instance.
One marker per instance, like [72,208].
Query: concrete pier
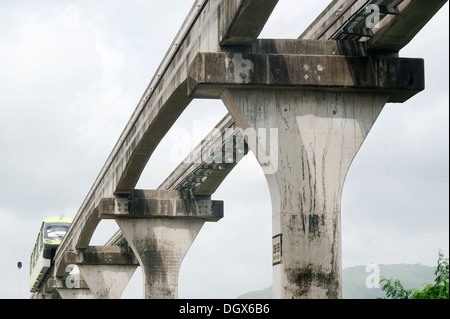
[106,270]
[319,100]
[160,246]
[107,281]
[160,227]
[319,133]
[68,287]
[79,293]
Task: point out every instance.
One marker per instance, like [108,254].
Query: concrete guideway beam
[243,20]
[397,31]
[210,162]
[329,20]
[319,134]
[160,227]
[390,35]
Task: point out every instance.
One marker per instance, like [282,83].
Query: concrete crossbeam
[160,203]
[211,73]
[67,282]
[102,255]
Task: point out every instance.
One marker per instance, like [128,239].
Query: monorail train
[50,235]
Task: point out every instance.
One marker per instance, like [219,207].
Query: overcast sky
[71,74]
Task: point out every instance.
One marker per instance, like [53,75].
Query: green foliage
[411,277]
[354,284]
[439,290]
[394,289]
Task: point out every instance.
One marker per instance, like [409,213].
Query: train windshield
[56,231]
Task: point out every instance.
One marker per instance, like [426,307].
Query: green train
[49,238]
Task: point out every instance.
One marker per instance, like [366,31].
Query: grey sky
[71,74]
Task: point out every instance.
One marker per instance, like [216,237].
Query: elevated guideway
[160,106]
[265,84]
[205,168]
[385,25]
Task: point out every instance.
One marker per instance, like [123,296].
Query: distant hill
[354,281]
[411,276]
[260,294]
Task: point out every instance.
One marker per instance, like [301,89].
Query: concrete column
[81,293]
[160,227]
[319,134]
[107,281]
[160,245]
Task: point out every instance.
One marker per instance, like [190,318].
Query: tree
[439,290]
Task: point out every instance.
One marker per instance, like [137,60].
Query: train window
[56,231]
